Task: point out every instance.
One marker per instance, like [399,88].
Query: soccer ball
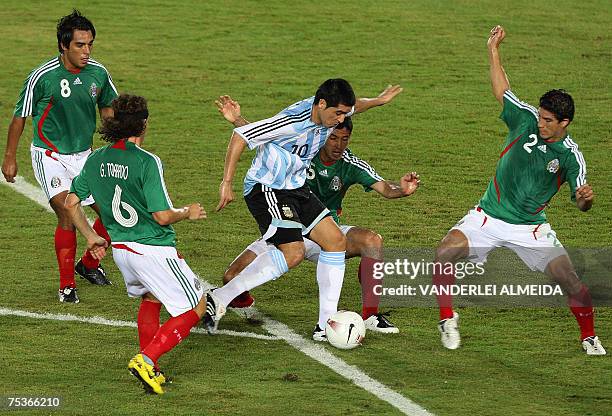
[345,330]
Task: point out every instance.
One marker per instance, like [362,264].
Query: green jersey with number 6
[530,169]
[127,183]
[330,182]
[63,104]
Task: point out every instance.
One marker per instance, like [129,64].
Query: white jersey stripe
[110,79]
[521,104]
[570,144]
[363,165]
[29,94]
[161,174]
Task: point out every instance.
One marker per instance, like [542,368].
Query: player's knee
[453,246]
[373,240]
[335,242]
[294,256]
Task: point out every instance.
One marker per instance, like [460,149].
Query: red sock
[171,334]
[148,322]
[581,306]
[369,299]
[443,278]
[88,260]
[65,249]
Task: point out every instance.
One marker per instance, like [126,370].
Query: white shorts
[536,244]
[313,250]
[158,270]
[55,172]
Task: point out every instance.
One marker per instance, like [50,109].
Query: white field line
[98,320]
[282,331]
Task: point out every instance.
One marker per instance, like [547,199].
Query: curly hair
[68,24]
[129,119]
[560,103]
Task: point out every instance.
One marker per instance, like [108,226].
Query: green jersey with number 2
[530,170]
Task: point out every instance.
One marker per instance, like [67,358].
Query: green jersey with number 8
[530,169]
[127,183]
[63,104]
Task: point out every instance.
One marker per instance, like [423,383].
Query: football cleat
[161,377]
[145,372]
[68,295]
[214,312]
[449,332]
[319,334]
[95,276]
[243,300]
[380,323]
[592,346]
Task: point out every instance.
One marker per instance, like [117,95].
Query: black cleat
[214,312]
[94,276]
[68,295]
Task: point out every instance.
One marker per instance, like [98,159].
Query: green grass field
[181,56]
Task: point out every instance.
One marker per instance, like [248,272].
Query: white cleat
[592,346]
[379,323]
[449,332]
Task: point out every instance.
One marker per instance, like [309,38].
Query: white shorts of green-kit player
[55,172]
[313,250]
[535,244]
[161,271]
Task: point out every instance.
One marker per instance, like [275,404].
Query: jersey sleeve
[515,111]
[80,185]
[154,187]
[30,94]
[273,128]
[108,91]
[361,172]
[576,168]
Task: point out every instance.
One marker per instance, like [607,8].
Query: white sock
[267,266]
[330,274]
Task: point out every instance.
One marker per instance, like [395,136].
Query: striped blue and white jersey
[285,145]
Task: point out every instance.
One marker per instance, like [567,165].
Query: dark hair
[130,116]
[335,91]
[68,24]
[346,124]
[560,103]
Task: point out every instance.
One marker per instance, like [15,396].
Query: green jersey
[63,104]
[530,169]
[330,182]
[127,183]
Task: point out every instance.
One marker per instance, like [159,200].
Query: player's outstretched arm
[234,150]
[499,80]
[408,185]
[585,197]
[230,110]
[388,94]
[95,244]
[173,215]
[9,164]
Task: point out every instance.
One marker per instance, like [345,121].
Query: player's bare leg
[330,270]
[562,271]
[65,248]
[454,246]
[368,245]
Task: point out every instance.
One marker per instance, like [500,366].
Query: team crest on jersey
[335,184]
[93,90]
[287,211]
[197,284]
[553,166]
[56,182]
